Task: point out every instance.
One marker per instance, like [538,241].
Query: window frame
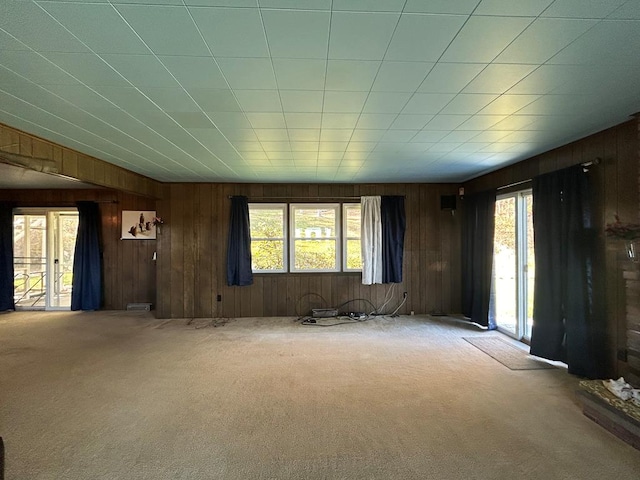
[346,238]
[336,206]
[285,238]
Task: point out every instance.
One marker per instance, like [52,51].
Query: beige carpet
[124,396]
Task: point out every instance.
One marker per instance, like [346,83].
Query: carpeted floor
[112,395]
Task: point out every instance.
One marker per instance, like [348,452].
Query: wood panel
[431,267]
[129,270]
[77,165]
[616,182]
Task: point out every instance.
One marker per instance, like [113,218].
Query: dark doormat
[507,354]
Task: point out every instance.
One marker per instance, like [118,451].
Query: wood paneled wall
[616,191]
[71,163]
[192,255]
[129,271]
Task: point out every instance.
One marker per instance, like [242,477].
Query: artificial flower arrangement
[157,221]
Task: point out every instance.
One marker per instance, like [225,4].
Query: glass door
[513,265]
[43,247]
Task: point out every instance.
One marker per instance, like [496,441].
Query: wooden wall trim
[34,153]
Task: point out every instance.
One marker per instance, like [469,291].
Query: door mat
[508,355]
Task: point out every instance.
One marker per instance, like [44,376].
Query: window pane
[315,254]
[352,220]
[315,222]
[354,259]
[267,255]
[266,223]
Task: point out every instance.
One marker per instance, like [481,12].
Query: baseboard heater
[324,312]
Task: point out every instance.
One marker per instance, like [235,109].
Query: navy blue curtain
[6,257]
[568,324]
[477,257]
[394,224]
[239,244]
[86,291]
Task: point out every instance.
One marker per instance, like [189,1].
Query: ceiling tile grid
[317,91]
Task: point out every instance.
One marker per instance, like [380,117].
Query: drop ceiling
[317,90]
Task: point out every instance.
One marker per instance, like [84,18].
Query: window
[268,252]
[314,241]
[351,246]
[321,237]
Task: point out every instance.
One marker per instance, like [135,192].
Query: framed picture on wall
[138,225]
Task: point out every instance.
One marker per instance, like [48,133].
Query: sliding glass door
[43,246]
[513,264]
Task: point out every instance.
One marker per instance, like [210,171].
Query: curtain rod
[595,161]
[308,198]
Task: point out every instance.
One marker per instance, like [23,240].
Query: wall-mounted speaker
[447,202]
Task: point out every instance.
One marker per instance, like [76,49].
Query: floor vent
[139,306]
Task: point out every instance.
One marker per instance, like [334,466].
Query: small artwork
[139,225]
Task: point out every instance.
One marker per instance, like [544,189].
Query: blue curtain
[86,291]
[394,223]
[477,257]
[6,257]
[568,320]
[239,244]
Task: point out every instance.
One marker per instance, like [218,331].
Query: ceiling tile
[300,73]
[423,37]
[266,120]
[99,26]
[367,135]
[398,135]
[215,99]
[303,135]
[344,102]
[80,96]
[294,4]
[543,39]
[545,79]
[351,75]
[429,136]
[497,78]
[335,135]
[248,73]
[35,68]
[483,38]
[339,120]
[481,122]
[302,149]
[303,120]
[446,122]
[272,134]
[231,32]
[259,100]
[87,68]
[297,34]
[142,70]
[171,99]
[427,103]
[441,6]
[369,5]
[508,104]
[410,122]
[360,36]
[530,8]
[29,22]
[191,119]
[401,76]
[628,11]
[601,44]
[226,121]
[152,22]
[301,101]
[582,8]
[376,120]
[385,102]
[450,77]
